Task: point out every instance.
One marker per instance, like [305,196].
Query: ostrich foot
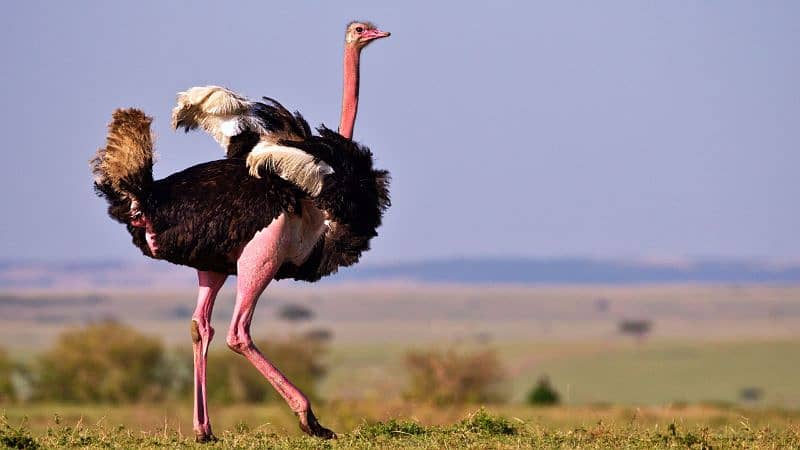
[203,437]
[311,427]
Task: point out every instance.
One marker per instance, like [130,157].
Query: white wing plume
[261,131]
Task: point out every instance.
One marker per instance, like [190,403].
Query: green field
[685,384]
[627,373]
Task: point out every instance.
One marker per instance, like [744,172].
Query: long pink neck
[350,92]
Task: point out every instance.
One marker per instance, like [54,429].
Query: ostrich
[249,215]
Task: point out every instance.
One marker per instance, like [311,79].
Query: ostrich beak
[370,35]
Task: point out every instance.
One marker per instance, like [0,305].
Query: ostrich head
[359,34]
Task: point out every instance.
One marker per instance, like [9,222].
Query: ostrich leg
[256,266]
[202,333]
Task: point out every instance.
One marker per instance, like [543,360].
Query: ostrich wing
[261,131]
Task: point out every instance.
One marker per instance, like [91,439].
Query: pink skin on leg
[202,333]
[257,264]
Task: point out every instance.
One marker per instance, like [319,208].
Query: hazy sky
[607,129]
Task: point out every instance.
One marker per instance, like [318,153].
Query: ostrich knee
[239,342]
[202,332]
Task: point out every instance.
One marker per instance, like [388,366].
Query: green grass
[478,429]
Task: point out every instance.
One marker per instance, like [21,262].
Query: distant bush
[103,362]
[543,393]
[231,377]
[638,328]
[751,394]
[319,334]
[295,312]
[447,377]
[7,391]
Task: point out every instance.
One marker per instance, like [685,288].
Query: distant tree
[638,328]
[295,312]
[7,391]
[450,377]
[543,393]
[751,394]
[319,334]
[102,362]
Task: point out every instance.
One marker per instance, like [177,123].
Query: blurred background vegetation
[104,362]
[445,377]
[7,370]
[110,362]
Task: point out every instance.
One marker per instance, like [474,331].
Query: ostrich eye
[359,29]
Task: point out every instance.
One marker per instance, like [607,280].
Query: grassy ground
[419,427]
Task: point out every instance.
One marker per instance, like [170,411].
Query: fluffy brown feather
[125,164]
